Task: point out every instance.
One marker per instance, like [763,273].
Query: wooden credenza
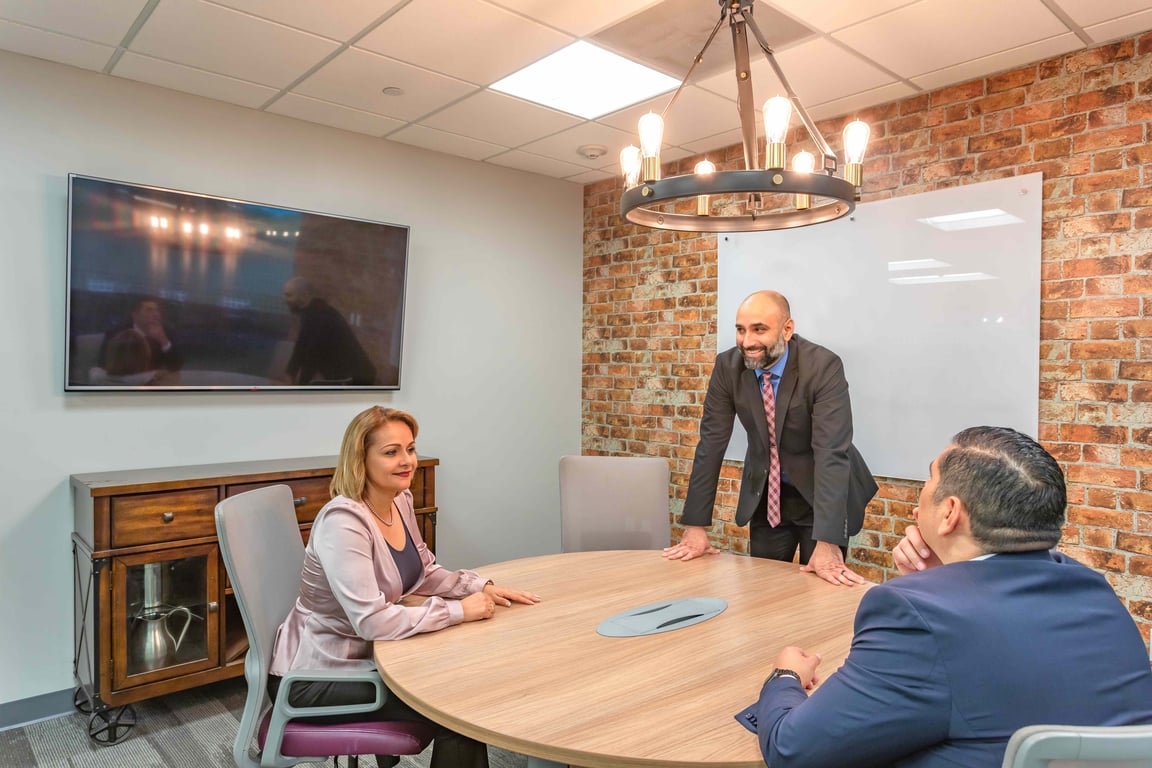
[154,612]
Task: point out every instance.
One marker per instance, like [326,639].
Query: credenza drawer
[309,494]
[150,518]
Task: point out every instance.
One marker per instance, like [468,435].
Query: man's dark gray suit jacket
[813,435]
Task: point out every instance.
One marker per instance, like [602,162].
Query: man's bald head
[763,328]
[298,292]
[762,300]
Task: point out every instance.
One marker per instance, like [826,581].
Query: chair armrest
[282,711]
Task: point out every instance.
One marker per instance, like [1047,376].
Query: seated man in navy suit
[986,632]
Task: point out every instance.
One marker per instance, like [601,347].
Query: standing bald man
[804,486]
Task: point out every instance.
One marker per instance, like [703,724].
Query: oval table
[540,681]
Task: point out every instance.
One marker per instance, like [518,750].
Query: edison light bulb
[803,162]
[630,165]
[855,141]
[651,129]
[777,113]
[704,202]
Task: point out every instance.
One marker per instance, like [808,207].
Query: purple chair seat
[393,737]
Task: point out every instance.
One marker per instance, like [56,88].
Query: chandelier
[686,203]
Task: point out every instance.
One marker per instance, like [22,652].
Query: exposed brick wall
[1085,121]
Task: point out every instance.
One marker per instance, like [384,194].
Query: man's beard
[767,357]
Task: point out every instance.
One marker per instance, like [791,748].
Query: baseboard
[24,711]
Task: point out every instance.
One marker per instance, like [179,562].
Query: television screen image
[171,290]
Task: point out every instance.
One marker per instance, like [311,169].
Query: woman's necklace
[369,505]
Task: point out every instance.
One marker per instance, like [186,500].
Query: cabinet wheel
[111,726]
[82,701]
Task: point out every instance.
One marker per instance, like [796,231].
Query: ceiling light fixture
[688,202]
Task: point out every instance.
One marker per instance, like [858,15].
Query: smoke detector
[592,151]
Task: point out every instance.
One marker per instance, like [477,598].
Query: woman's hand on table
[505,596]
[478,606]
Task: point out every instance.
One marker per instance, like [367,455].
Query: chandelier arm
[821,144]
[695,61]
[744,104]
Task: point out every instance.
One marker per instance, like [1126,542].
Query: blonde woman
[364,554]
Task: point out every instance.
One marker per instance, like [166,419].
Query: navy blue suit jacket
[947,663]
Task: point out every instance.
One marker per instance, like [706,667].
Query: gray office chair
[263,554]
[614,502]
[1066,746]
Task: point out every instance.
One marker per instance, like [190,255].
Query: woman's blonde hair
[350,479]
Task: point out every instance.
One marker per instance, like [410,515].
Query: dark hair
[1013,488]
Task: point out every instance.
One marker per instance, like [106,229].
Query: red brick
[1105,139]
[1093,475]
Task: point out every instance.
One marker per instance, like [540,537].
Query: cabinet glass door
[164,613]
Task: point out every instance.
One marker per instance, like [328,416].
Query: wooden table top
[538,680]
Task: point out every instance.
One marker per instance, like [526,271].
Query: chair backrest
[614,502]
[263,554]
[1064,746]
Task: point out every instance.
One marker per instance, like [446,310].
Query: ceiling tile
[459,38]
[668,37]
[578,18]
[934,34]
[449,143]
[589,177]
[830,15]
[696,114]
[1089,12]
[719,141]
[180,78]
[500,119]
[316,111]
[1122,27]
[818,71]
[106,21]
[545,166]
[355,79]
[339,21]
[998,62]
[230,43]
[563,146]
[31,41]
[858,101]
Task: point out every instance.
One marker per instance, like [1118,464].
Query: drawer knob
[299,501]
[213,607]
[168,517]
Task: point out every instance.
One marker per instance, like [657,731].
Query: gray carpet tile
[193,728]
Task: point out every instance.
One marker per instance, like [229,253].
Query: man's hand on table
[802,663]
[693,544]
[827,562]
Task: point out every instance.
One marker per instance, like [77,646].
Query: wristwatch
[784,673]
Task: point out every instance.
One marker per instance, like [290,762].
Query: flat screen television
[171,290]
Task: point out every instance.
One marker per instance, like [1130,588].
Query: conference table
[540,681]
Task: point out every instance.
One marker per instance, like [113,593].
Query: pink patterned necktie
[772,501]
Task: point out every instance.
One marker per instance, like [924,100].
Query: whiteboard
[932,302]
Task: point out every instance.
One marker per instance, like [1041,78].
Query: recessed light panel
[585,80]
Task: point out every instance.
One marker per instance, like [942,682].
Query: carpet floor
[193,728]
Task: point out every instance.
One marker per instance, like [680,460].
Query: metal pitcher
[154,645]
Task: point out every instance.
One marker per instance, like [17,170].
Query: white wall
[491,348]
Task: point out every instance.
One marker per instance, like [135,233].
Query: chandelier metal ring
[841,196]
